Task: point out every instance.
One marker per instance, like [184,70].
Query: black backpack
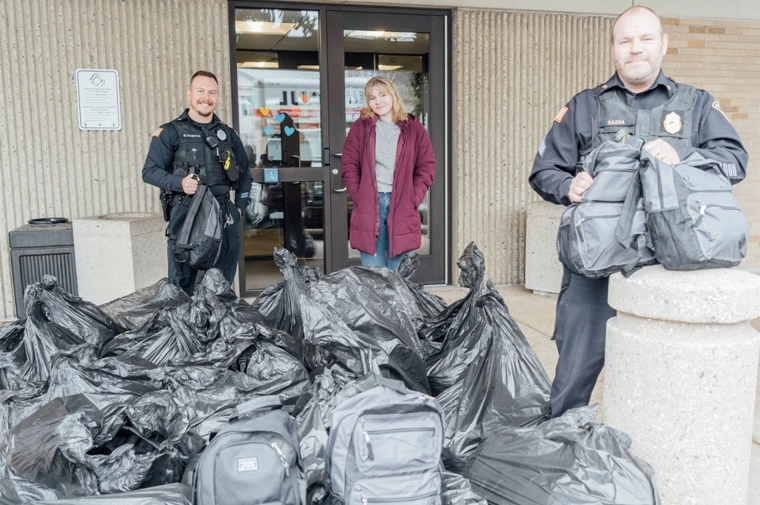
[254,460]
[200,240]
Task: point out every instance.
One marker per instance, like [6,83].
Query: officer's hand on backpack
[190,184]
[663,151]
[578,186]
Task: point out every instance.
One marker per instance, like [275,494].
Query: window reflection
[279,111]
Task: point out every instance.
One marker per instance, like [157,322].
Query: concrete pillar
[543,271]
[680,378]
[117,254]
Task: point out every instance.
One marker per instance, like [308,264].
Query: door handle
[342,190]
[339,155]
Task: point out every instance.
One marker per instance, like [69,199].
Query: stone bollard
[117,254]
[680,376]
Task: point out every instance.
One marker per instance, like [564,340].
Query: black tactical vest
[195,155]
[670,121]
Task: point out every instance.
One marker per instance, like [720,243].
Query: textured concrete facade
[680,378]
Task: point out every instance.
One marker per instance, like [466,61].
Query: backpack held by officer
[198,148]
[673,119]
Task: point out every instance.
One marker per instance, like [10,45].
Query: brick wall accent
[723,57]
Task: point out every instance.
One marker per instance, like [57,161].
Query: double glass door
[299,82]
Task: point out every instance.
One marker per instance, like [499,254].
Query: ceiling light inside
[258,64]
[263,27]
[367,34]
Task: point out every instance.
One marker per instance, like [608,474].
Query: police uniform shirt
[573,128]
[158,166]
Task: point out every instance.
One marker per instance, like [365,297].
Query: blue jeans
[380,258]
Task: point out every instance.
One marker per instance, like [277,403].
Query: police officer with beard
[675,120]
[199,148]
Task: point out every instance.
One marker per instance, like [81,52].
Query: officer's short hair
[636,7]
[203,73]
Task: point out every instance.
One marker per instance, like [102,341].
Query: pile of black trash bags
[109,404]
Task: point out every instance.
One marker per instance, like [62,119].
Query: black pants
[580,331]
[182,274]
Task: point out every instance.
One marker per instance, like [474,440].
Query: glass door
[409,50]
[298,85]
[279,119]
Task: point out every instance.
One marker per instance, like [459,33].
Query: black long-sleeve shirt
[572,131]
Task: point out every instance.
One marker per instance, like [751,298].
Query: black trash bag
[44,457]
[108,380]
[275,369]
[458,491]
[56,321]
[429,304]
[315,311]
[12,355]
[134,310]
[486,372]
[366,310]
[279,303]
[212,328]
[81,318]
[170,494]
[566,460]
[210,394]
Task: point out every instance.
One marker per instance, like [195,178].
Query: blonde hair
[386,86]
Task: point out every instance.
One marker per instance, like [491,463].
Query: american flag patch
[560,114]
[158,132]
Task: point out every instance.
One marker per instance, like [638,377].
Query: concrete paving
[535,316]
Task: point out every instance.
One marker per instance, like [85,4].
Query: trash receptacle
[44,246]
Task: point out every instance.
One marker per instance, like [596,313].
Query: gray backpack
[254,460]
[693,219]
[385,447]
[586,240]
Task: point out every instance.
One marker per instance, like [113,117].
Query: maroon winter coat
[412,176]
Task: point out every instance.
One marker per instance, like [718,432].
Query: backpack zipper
[703,209]
[368,440]
[288,473]
[583,219]
[365,501]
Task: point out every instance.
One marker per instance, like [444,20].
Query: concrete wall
[512,72]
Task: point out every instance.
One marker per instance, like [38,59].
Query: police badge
[672,123]
[221,135]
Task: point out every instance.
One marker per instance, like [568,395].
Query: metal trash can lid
[43,232]
[47,220]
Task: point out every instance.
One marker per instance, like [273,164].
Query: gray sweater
[386,143]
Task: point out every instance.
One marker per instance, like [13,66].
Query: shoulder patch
[558,117]
[157,132]
[716,106]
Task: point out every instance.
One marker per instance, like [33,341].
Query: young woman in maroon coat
[387,167]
